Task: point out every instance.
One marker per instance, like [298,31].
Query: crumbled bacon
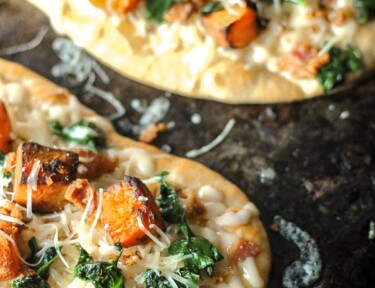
[149,134]
[196,211]
[129,258]
[79,193]
[243,249]
[10,209]
[179,12]
[303,62]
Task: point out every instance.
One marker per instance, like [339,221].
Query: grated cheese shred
[28,45]
[97,215]
[220,138]
[32,182]
[87,208]
[149,234]
[11,240]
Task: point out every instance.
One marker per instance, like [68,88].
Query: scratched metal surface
[323,152]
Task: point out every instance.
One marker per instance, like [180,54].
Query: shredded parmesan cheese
[220,138]
[32,182]
[11,240]
[26,46]
[149,234]
[10,219]
[97,215]
[74,62]
[107,96]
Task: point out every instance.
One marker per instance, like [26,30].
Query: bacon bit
[79,193]
[25,271]
[196,211]
[303,62]
[242,249]
[149,134]
[12,210]
[275,228]
[179,12]
[130,258]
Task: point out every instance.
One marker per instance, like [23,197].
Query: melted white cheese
[71,226]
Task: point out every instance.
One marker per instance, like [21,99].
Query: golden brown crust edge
[227,81]
[182,171]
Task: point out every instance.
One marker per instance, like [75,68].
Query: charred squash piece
[10,264]
[5,129]
[79,193]
[93,165]
[57,169]
[233,30]
[126,203]
[118,6]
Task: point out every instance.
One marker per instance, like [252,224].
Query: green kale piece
[100,274]
[3,157]
[42,269]
[340,63]
[157,8]
[154,279]
[170,207]
[31,281]
[366,10]
[82,132]
[49,256]
[203,254]
[211,7]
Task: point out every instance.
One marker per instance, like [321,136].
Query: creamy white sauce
[70,227]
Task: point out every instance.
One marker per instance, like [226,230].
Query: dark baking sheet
[324,161]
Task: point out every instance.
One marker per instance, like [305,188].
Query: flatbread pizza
[81,206]
[234,51]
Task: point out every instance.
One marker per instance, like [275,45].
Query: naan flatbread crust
[183,172]
[143,57]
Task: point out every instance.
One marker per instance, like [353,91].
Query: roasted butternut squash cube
[92,165]
[10,264]
[129,212]
[118,6]
[44,172]
[5,129]
[233,29]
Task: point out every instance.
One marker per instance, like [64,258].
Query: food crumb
[344,115]
[149,134]
[267,174]
[166,148]
[331,107]
[196,118]
[371,231]
[274,227]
